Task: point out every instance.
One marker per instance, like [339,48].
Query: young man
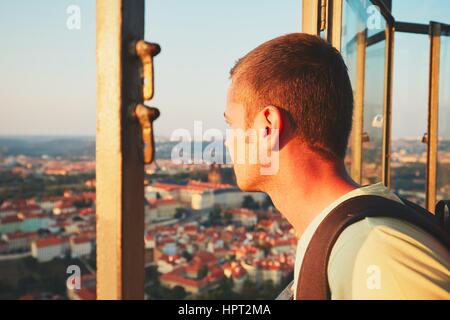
[296,92]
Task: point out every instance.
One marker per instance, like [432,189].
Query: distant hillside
[51,146]
[74,147]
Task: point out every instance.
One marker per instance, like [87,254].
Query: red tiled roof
[177,276]
[266,223]
[87,211]
[194,267]
[169,258]
[89,195]
[164,242]
[284,242]
[81,239]
[166,186]
[208,185]
[10,219]
[87,293]
[193,185]
[52,199]
[242,212]
[64,205]
[190,228]
[51,241]
[161,202]
[19,204]
[239,272]
[20,235]
[33,215]
[205,256]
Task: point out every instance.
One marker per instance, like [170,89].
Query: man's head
[296,85]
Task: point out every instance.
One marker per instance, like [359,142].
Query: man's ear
[272,120]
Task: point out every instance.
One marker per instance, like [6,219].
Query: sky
[47,70]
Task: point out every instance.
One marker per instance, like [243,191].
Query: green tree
[202,272]
[250,203]
[249,290]
[215,216]
[83,203]
[267,203]
[227,218]
[178,293]
[186,255]
[268,291]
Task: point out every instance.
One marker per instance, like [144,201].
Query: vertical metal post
[387,123]
[358,112]
[336,23]
[388,4]
[433,114]
[310,16]
[120,171]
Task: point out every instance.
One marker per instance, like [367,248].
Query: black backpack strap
[313,277]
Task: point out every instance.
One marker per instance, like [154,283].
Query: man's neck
[306,186]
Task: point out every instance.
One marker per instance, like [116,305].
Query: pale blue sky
[47,72]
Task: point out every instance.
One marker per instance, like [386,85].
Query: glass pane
[420,11]
[443,166]
[47,149]
[205,238]
[410,87]
[363,49]
[373,114]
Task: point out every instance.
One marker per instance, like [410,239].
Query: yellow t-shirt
[381,258]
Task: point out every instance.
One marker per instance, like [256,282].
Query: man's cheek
[230,146]
[237,145]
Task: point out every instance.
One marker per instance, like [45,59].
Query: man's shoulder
[386,233]
[405,257]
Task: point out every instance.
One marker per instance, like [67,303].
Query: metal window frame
[119,168]
[388,36]
[358,109]
[433,114]
[311,18]
[385,10]
[335,30]
[408,27]
[435,31]
[387,123]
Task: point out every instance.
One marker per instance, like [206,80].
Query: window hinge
[323,15]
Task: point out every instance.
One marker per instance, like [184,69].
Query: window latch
[146,51]
[145,115]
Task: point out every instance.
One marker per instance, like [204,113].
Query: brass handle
[146,115]
[146,51]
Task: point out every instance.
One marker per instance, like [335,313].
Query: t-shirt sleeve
[385,258]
